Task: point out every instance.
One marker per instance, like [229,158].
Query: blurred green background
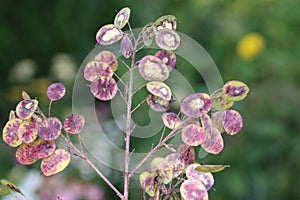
[256,41]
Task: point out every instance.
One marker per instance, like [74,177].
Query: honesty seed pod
[122,17]
[235,90]
[109,58]
[148,33]
[159,89]
[152,68]
[167,39]
[168,57]
[193,105]
[104,88]
[109,34]
[166,22]
[94,69]
[158,104]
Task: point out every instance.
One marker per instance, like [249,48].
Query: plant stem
[128,125]
[83,156]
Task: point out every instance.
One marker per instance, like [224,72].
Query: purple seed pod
[168,57]
[10,133]
[163,168]
[56,91]
[122,17]
[232,122]
[159,89]
[171,120]
[109,58]
[187,152]
[193,105]
[158,104]
[29,130]
[167,39]
[109,34]
[206,178]
[176,162]
[94,69]
[148,182]
[152,68]
[74,123]
[214,144]
[193,190]
[235,90]
[126,46]
[26,108]
[104,88]
[166,22]
[220,100]
[193,135]
[50,128]
[56,163]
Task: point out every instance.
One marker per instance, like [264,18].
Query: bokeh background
[256,41]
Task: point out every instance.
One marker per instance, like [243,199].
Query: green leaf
[4,191]
[211,168]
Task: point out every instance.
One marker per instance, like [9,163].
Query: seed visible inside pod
[159,89]
[168,57]
[167,39]
[235,90]
[122,17]
[152,68]
[170,120]
[109,58]
[193,105]
[220,100]
[158,104]
[166,22]
[109,34]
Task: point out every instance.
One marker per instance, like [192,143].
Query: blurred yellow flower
[250,45]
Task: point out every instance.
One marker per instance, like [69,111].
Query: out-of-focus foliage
[256,41]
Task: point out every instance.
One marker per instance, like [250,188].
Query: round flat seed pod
[158,104]
[159,89]
[168,57]
[235,90]
[56,163]
[171,120]
[126,46]
[109,58]
[50,128]
[187,152]
[193,135]
[167,39]
[24,155]
[109,34]
[152,68]
[29,130]
[26,108]
[163,169]
[232,122]
[104,88]
[214,144]
[206,178]
[56,91]
[148,34]
[10,133]
[122,17]
[220,100]
[193,105]
[74,123]
[206,124]
[193,190]
[148,182]
[176,162]
[94,69]
[166,22]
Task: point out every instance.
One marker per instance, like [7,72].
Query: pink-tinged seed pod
[109,34]
[167,39]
